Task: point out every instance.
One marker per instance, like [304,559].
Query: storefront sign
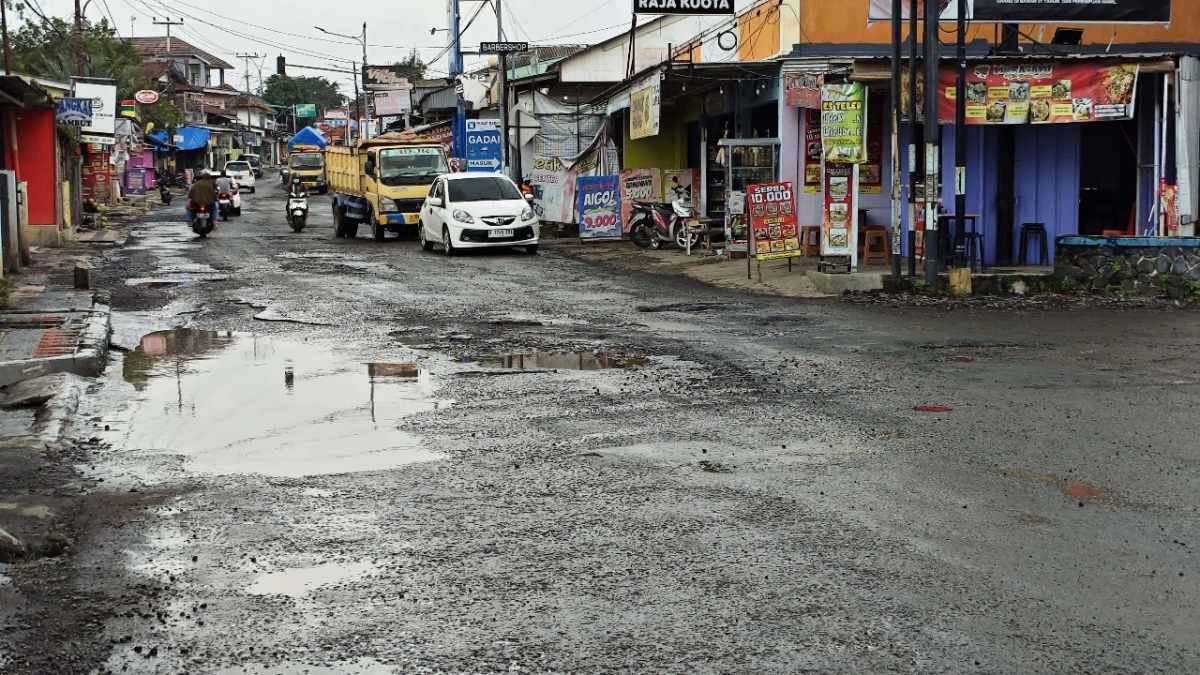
[644,108]
[773,221]
[75,112]
[96,139]
[871,173]
[146,97]
[1045,92]
[135,181]
[843,122]
[1038,11]
[104,106]
[839,227]
[599,206]
[553,190]
[803,89]
[637,185]
[684,7]
[681,184]
[383,78]
[396,102]
[483,145]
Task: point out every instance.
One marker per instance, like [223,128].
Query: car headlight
[462,216]
[387,205]
[527,215]
[320,178]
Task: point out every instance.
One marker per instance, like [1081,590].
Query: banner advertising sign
[397,102]
[637,185]
[383,78]
[803,89]
[599,206]
[1046,92]
[76,112]
[644,108]
[306,110]
[843,122]
[104,106]
[681,184]
[684,7]
[839,227]
[553,190]
[871,173]
[484,146]
[1037,11]
[773,231]
[135,181]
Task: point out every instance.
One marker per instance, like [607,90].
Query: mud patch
[1072,489]
[232,403]
[565,361]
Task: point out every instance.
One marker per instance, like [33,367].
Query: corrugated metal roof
[157,47]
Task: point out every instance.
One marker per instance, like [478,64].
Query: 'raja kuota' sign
[684,7]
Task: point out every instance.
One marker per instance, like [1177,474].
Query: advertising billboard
[1037,11]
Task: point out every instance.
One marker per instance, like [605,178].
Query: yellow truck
[382,182]
[308,162]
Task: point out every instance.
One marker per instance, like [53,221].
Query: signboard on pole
[394,102]
[773,231]
[1037,11]
[644,108]
[306,110]
[599,206]
[483,145]
[844,123]
[383,78]
[685,7]
[503,47]
[104,106]
[1041,93]
[76,112]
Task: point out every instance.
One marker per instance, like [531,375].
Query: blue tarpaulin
[187,138]
[307,136]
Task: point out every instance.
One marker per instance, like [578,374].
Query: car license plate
[499,234]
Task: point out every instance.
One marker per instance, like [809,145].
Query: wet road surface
[326,456]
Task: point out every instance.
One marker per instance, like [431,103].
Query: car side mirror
[370,167]
[436,201]
[529,198]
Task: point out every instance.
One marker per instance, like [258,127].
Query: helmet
[206,174]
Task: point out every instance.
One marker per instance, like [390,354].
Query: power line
[597,9]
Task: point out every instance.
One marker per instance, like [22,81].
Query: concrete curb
[89,359]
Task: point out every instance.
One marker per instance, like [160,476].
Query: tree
[163,114]
[414,64]
[286,91]
[44,47]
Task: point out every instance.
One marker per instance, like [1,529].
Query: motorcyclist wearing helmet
[202,193]
[297,189]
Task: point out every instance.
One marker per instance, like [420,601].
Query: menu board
[1046,92]
[871,173]
[773,221]
[838,227]
[843,122]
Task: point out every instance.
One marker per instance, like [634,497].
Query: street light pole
[360,73]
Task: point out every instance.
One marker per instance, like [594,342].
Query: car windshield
[308,160]
[482,189]
[411,166]
[237,166]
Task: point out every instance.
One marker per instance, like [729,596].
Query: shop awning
[186,138]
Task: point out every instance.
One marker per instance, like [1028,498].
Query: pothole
[300,581]
[581,360]
[233,403]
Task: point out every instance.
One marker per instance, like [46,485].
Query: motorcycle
[656,224]
[297,211]
[225,205]
[202,222]
[164,192]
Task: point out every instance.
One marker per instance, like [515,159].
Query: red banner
[773,221]
[803,90]
[1044,92]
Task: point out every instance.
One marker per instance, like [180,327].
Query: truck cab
[309,165]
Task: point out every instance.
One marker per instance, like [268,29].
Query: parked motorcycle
[225,205]
[297,211]
[656,224]
[164,192]
[202,222]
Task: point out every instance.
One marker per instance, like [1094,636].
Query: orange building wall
[758,33]
[845,22]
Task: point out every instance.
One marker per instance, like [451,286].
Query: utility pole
[246,60]
[4,31]
[897,221]
[78,39]
[932,146]
[456,67]
[165,22]
[504,149]
[960,136]
[914,164]
[362,73]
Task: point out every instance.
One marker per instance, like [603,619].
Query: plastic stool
[810,240]
[874,234]
[1038,231]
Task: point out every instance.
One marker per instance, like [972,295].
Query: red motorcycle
[656,224]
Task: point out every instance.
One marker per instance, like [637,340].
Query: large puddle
[233,403]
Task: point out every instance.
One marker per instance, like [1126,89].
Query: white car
[241,172]
[477,210]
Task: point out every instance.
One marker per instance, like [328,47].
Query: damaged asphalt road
[314,455]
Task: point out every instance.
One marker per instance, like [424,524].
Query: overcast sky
[273,27]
